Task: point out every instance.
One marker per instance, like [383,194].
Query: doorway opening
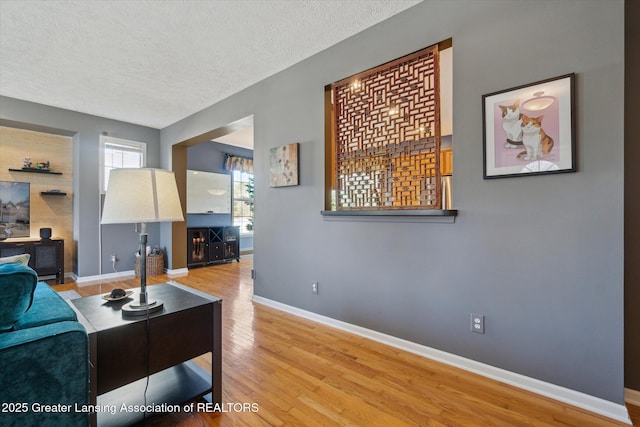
[210,152]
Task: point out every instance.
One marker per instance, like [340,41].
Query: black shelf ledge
[422,215]
[53,193]
[391,212]
[35,170]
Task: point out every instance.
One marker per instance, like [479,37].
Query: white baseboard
[632,396]
[88,280]
[121,275]
[590,403]
[177,272]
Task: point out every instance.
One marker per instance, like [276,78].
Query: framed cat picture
[530,129]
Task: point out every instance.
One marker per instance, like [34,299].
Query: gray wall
[541,257]
[86,129]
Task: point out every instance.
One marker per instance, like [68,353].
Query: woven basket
[155,265]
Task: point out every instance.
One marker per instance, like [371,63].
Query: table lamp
[141,195]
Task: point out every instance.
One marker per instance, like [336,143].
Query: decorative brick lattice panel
[387,136]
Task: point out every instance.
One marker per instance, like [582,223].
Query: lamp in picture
[140,196]
[540,101]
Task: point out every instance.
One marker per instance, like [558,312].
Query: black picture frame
[530,129]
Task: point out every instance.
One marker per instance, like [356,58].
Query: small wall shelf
[399,212]
[52,193]
[36,171]
[408,215]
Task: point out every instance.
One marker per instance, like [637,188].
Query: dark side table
[123,351]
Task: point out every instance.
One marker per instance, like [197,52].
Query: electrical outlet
[314,287]
[114,258]
[477,323]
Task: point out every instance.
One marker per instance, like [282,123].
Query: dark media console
[47,255]
[210,245]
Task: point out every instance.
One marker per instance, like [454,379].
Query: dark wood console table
[47,255]
[189,325]
[210,245]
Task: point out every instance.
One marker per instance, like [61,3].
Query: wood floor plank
[634,413]
[301,373]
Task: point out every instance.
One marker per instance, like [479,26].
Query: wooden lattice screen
[387,136]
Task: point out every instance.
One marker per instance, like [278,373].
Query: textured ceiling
[156,62]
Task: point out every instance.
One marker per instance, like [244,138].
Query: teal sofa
[44,354]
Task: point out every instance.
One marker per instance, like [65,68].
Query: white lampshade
[140,196]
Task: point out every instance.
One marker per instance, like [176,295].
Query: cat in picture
[534,139]
[512,124]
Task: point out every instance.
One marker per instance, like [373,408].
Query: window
[119,153]
[243,201]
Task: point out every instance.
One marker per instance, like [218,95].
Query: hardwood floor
[634,413]
[299,373]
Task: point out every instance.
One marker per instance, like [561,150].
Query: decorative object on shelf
[43,165]
[140,196]
[283,169]
[28,164]
[530,129]
[45,233]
